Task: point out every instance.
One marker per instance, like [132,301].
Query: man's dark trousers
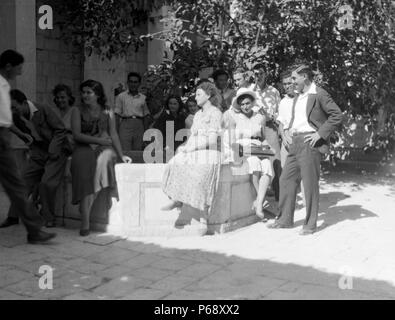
[15,187]
[271,136]
[303,163]
[46,174]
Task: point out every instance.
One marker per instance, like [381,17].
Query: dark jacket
[161,121]
[51,130]
[324,115]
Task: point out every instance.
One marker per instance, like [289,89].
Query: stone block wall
[57,62]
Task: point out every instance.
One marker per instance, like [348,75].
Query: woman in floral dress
[191,176]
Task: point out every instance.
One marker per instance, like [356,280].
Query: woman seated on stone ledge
[191,177]
[246,128]
[96,148]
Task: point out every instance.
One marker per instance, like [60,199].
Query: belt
[132,117]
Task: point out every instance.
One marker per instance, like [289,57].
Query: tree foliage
[354,64]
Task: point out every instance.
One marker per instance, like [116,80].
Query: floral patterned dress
[192,177]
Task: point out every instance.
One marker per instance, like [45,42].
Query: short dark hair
[11,57]
[219,72]
[285,74]
[18,96]
[203,80]
[173,96]
[239,70]
[304,69]
[244,96]
[191,99]
[134,74]
[60,88]
[259,66]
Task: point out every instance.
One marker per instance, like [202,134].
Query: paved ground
[354,250]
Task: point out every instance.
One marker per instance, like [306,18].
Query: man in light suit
[315,116]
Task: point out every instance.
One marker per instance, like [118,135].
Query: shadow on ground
[107,267]
[331,213]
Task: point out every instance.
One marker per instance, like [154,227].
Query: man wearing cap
[315,116]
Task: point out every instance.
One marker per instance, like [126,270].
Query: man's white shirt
[301,123]
[5,103]
[285,111]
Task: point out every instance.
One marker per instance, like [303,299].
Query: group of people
[87,133]
[36,141]
[297,128]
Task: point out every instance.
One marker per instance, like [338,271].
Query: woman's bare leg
[264,182]
[85,209]
[255,183]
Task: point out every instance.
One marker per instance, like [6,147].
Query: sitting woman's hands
[126,159]
[106,141]
[28,139]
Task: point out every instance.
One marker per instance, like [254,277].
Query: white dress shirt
[301,123]
[5,103]
[127,105]
[285,111]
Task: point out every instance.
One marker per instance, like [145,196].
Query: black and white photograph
[208,151]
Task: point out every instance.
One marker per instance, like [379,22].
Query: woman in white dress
[247,129]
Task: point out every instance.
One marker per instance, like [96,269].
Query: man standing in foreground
[315,116]
[11,63]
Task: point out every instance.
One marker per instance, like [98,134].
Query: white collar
[3,81]
[312,89]
[33,109]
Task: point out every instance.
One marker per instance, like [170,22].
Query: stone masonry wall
[57,62]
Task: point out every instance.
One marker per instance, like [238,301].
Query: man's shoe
[277,225]
[9,222]
[40,237]
[305,232]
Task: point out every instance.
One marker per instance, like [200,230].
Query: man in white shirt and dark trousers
[11,63]
[131,109]
[315,116]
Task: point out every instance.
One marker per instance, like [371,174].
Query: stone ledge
[138,213]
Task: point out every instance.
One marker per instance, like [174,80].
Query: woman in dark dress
[172,116]
[96,148]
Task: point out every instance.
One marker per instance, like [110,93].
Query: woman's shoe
[84,232]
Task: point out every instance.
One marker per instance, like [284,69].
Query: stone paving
[353,250]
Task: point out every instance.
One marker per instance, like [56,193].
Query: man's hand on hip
[312,138]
